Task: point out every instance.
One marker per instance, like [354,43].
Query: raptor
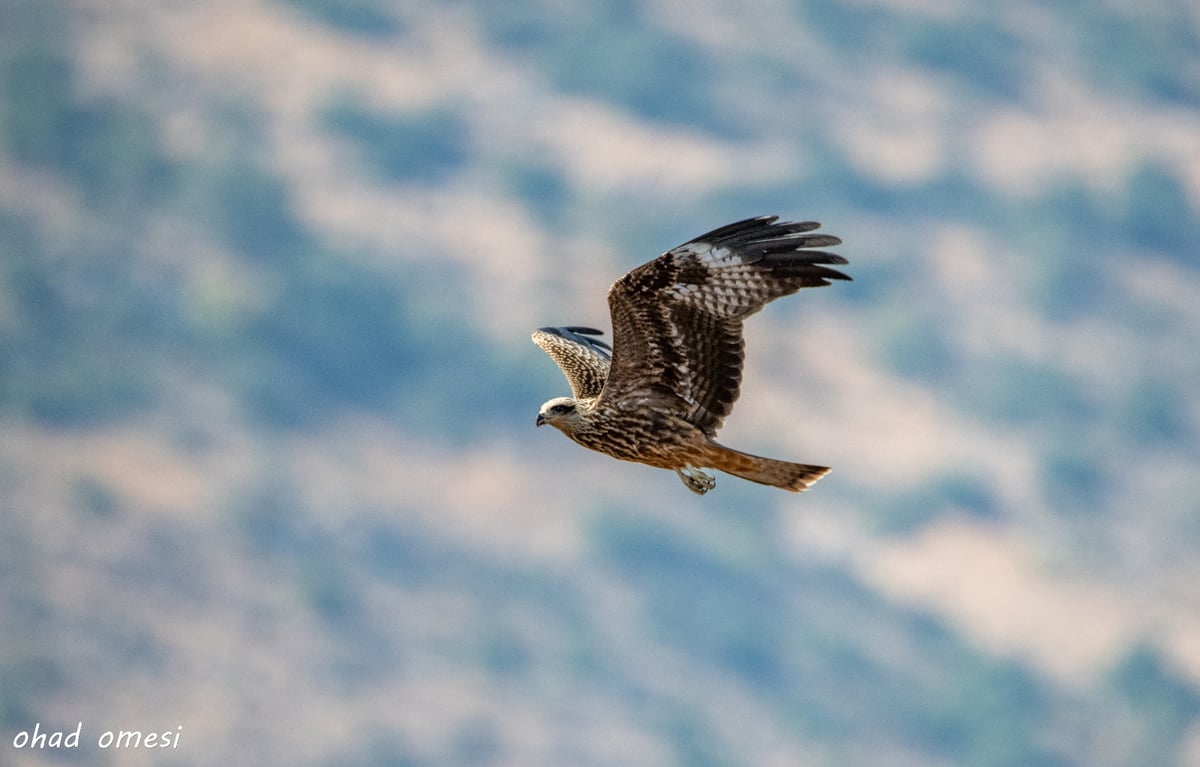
[661,391]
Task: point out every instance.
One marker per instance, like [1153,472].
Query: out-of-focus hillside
[268,470]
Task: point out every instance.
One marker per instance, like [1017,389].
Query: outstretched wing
[584,360]
[677,320]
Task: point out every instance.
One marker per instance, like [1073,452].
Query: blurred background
[268,467]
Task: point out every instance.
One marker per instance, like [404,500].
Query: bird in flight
[658,395]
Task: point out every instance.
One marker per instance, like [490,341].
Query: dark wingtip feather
[766,235]
[802,240]
[738,229]
[785,248]
[581,335]
[832,274]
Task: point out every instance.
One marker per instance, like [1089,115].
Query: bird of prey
[658,395]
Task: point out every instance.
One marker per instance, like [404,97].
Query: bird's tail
[796,477]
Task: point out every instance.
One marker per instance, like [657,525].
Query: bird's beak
[541,419]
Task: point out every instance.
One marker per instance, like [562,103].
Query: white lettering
[135,739]
[39,739]
[129,739]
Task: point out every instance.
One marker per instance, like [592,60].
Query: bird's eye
[560,409]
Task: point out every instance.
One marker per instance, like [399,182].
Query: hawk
[658,395]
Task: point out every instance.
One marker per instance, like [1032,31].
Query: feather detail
[673,373]
[584,360]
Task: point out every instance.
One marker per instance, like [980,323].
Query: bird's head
[560,412]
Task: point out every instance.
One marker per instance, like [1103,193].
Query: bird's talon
[695,480]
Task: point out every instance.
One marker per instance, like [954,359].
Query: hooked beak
[541,419]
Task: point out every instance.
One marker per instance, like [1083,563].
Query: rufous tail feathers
[796,477]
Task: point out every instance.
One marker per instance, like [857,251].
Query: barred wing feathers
[584,359]
[677,320]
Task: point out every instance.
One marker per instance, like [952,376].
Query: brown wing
[582,358]
[677,320]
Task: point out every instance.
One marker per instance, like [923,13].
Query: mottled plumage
[661,392]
